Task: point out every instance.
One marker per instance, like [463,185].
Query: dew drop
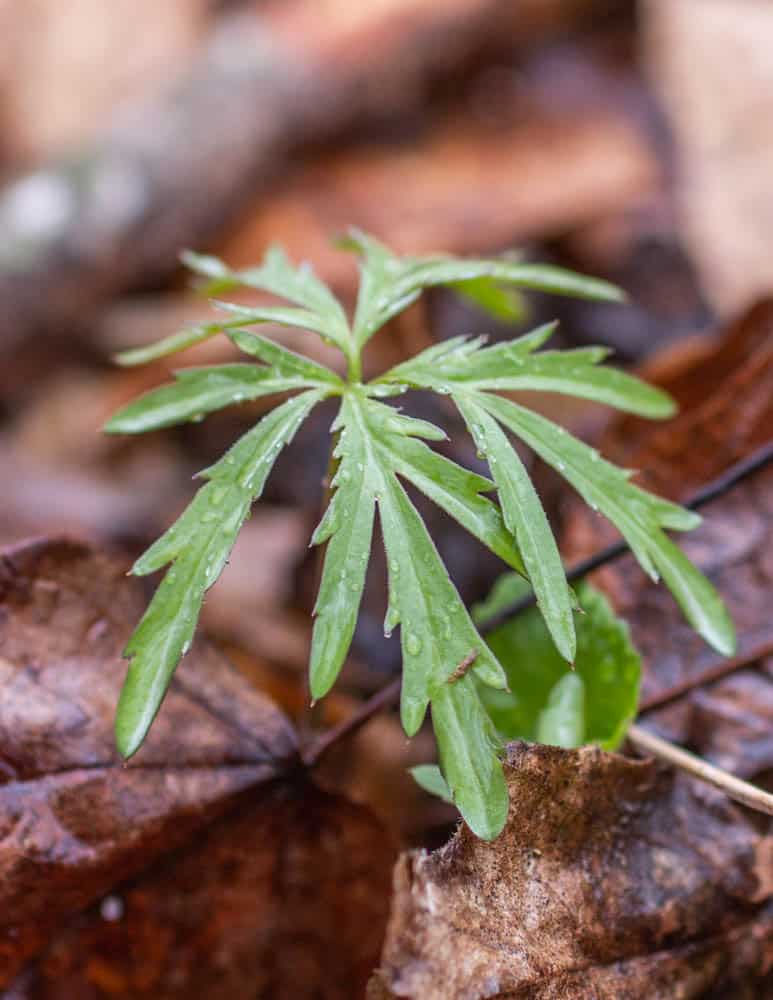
[412,644]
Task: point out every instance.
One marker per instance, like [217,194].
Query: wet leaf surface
[244,855]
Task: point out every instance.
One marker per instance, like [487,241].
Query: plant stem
[736,789]
[716,488]
[354,374]
[385,698]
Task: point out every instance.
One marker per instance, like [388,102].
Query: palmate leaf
[389,284]
[375,444]
[317,309]
[378,452]
[469,371]
[197,547]
[197,391]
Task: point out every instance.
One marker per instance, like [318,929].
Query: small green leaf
[389,284]
[430,778]
[468,748]
[562,721]
[285,363]
[322,312]
[197,546]
[502,303]
[347,528]
[543,702]
[437,634]
[453,488]
[513,366]
[173,344]
[197,391]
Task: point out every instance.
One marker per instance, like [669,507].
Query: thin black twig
[709,675]
[711,491]
[385,698]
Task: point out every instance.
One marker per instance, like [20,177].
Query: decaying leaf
[611,880]
[227,859]
[712,66]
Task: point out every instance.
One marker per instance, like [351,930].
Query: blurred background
[628,140]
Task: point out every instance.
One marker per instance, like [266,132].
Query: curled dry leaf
[611,880]
[240,868]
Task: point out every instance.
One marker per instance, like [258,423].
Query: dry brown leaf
[711,63]
[75,822]
[611,880]
[65,67]
[463,188]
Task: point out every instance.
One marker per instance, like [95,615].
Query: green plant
[375,448]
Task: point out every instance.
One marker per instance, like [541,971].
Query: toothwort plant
[376,448]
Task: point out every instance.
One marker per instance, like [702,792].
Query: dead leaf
[711,64]
[79,61]
[284,897]
[611,880]
[466,187]
[75,822]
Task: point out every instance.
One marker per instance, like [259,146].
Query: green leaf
[197,546]
[285,363]
[437,634]
[513,366]
[545,702]
[562,721]
[430,778]
[468,749]
[322,312]
[347,527]
[452,487]
[526,519]
[173,344]
[440,646]
[197,391]
[389,284]
[504,304]
[639,516]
